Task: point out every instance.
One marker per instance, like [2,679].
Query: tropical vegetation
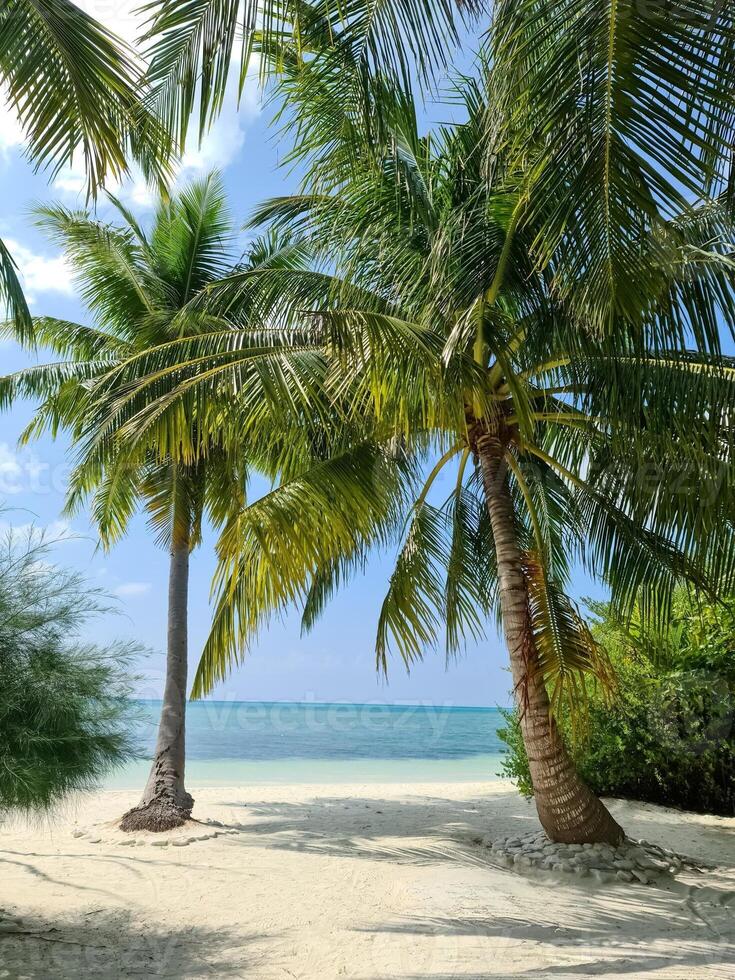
[538,306]
[533,296]
[139,288]
[65,703]
[668,736]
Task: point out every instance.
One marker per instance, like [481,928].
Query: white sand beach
[365,881]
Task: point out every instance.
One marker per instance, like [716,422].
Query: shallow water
[234,742]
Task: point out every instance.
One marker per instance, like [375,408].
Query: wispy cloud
[11,469]
[132,589]
[41,273]
[33,534]
[217,150]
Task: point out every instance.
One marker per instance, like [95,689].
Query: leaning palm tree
[440,341]
[517,292]
[78,92]
[139,287]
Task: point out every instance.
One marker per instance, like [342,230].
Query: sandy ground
[363,881]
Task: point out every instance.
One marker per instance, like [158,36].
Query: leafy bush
[668,734]
[515,762]
[64,704]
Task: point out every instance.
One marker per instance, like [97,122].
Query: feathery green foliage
[436,322]
[195,47]
[65,703]
[527,273]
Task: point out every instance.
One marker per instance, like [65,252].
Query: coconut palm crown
[430,332]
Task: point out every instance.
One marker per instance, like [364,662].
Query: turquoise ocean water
[245,742]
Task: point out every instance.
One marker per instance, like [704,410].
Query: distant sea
[231,743]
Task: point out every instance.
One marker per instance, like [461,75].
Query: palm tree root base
[631,862]
[157,815]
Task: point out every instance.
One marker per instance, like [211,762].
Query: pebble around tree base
[633,861]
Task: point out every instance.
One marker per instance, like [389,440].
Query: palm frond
[192,46]
[568,654]
[272,551]
[600,105]
[11,295]
[77,89]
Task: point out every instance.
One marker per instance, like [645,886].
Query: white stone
[624,864]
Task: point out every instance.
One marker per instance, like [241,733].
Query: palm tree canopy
[193,47]
[610,120]
[442,302]
[423,317]
[140,288]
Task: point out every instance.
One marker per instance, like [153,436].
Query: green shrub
[515,761]
[667,736]
[64,704]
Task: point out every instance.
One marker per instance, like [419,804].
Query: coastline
[308,771]
[362,880]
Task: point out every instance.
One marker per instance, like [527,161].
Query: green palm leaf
[77,90]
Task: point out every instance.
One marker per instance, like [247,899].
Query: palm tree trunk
[165,803]
[568,810]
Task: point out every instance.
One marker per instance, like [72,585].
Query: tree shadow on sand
[686,925]
[618,936]
[375,829]
[108,943]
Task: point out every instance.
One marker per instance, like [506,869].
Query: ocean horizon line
[397,704]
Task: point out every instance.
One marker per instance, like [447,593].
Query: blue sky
[336,660]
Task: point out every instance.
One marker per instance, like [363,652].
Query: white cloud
[217,150]
[41,273]
[133,588]
[11,134]
[11,471]
[124,17]
[33,534]
[225,139]
[71,182]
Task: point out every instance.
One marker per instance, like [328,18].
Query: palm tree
[440,336]
[518,292]
[77,90]
[139,287]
